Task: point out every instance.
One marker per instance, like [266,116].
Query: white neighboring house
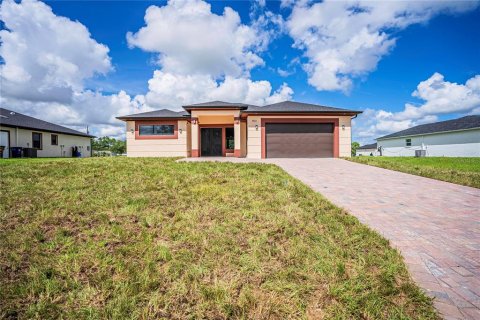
[367,150]
[43,138]
[451,138]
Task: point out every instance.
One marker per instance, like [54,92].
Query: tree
[355,146]
[119,147]
[109,144]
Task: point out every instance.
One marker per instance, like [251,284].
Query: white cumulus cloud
[191,39]
[173,90]
[46,59]
[346,39]
[205,56]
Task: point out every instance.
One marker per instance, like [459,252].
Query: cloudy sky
[84,63]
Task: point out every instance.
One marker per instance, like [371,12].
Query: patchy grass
[464,171]
[123,238]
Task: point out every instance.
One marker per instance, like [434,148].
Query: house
[367,150]
[451,138]
[39,138]
[217,128]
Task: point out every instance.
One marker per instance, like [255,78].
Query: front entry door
[211,140]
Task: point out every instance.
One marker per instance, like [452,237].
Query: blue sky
[439,49]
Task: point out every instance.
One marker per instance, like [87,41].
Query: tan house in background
[281,130]
[38,138]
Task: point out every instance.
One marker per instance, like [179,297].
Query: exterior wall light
[131,130]
[343,127]
[180,131]
[256,127]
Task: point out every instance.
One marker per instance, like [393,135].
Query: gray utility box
[420,153]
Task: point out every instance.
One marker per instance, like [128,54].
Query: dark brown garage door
[299,140]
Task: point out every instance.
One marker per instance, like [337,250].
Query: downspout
[351,135]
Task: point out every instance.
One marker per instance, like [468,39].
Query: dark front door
[299,140]
[211,141]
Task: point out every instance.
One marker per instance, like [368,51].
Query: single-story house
[45,139]
[367,150]
[286,129]
[451,138]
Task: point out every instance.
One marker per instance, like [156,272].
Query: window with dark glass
[156,130]
[408,142]
[229,138]
[36,140]
[54,140]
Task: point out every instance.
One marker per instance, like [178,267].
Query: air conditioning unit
[420,153]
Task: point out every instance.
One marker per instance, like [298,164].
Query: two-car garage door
[299,140]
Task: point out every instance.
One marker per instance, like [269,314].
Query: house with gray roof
[286,129]
[367,150]
[28,136]
[451,138]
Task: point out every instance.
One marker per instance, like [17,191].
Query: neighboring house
[286,129]
[368,150]
[48,139]
[451,138]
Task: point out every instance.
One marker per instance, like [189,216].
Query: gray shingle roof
[10,118]
[217,104]
[163,113]
[468,122]
[368,146]
[285,107]
[292,106]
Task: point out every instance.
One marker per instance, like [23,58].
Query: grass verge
[464,171]
[123,238]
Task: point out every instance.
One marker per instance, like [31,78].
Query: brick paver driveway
[435,224]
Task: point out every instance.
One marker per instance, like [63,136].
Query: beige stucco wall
[254,142]
[158,147]
[23,138]
[243,139]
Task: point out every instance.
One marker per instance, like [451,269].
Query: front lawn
[122,238]
[464,171]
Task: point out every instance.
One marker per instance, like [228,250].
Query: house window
[408,142]
[156,130]
[54,139]
[36,140]
[229,138]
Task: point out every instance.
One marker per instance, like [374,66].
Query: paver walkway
[435,224]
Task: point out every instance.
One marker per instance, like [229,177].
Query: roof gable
[216,104]
[464,123]
[10,118]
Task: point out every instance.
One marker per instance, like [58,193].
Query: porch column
[195,146]
[237,137]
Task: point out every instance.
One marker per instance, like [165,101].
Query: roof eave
[189,108]
[80,134]
[349,112]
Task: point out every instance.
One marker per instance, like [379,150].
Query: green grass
[123,238]
[464,171]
